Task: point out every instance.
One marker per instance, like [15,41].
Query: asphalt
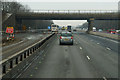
[26,40]
[85,59]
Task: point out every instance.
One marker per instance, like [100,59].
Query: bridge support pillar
[90,25]
[18,24]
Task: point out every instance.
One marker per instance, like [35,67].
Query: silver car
[66,38]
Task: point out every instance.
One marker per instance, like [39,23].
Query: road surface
[27,39]
[89,57]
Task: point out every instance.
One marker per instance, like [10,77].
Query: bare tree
[13,7]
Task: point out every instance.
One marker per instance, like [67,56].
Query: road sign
[9,30]
[49,27]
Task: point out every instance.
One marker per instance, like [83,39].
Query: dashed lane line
[104,78]
[108,48]
[88,57]
[81,48]
[98,43]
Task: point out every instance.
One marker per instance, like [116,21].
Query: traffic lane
[103,60]
[105,42]
[8,51]
[61,61]
[22,37]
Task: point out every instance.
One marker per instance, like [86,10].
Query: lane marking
[108,48]
[31,75]
[36,68]
[88,57]
[98,43]
[80,47]
[104,78]
[106,39]
[12,44]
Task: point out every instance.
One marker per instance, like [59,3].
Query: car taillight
[60,37]
[72,37]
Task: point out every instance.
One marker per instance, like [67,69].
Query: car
[66,38]
[112,31]
[74,30]
[100,30]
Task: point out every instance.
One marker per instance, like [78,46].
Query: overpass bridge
[88,15]
[15,65]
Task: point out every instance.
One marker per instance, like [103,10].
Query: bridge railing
[75,11]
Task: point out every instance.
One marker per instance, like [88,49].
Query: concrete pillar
[90,25]
[18,24]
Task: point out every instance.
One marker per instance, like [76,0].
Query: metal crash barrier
[14,60]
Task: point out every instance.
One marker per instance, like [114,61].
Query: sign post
[10,30]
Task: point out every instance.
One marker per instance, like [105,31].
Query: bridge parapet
[74,11]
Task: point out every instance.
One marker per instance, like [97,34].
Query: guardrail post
[28,53]
[4,69]
[25,55]
[21,57]
[33,49]
[11,64]
[17,60]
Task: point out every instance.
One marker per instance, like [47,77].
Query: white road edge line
[80,47]
[104,78]
[98,43]
[108,48]
[13,44]
[88,57]
[106,39]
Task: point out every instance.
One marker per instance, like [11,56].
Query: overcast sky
[71,5]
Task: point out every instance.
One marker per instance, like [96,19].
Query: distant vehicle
[54,28]
[100,30]
[66,38]
[94,29]
[112,31]
[74,30]
[118,31]
[63,28]
[69,28]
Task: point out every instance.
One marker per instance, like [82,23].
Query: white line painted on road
[88,57]
[31,75]
[104,78]
[98,43]
[80,47]
[106,39]
[13,44]
[108,48]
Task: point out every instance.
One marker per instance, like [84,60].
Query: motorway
[90,57]
[26,39]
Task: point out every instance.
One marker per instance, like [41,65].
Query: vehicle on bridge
[94,29]
[54,28]
[112,31]
[69,28]
[66,38]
